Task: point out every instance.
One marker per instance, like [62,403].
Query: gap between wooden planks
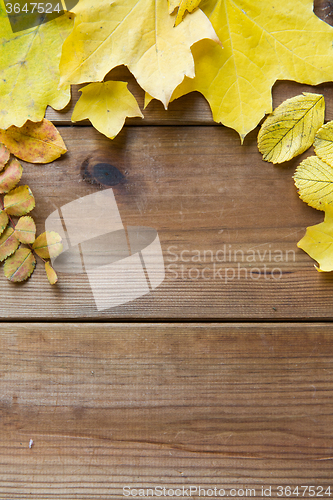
[109,405]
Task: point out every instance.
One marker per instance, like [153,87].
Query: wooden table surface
[222,376]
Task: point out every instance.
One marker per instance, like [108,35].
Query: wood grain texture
[171,405]
[227,221]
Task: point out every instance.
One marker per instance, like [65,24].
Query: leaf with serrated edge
[19,201]
[314,181]
[106,105]
[10,176]
[4,156]
[48,245]
[25,230]
[4,219]
[8,243]
[323,143]
[50,273]
[318,241]
[20,266]
[34,142]
[291,128]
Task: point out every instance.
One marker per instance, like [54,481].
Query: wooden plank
[193,109]
[174,405]
[228,224]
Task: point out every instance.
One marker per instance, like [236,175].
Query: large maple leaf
[29,70]
[263,41]
[138,34]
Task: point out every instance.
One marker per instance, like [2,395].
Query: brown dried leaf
[10,176]
[19,201]
[34,142]
[4,156]
[20,265]
[8,244]
[48,245]
[50,273]
[25,230]
[3,221]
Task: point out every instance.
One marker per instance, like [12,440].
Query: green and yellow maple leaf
[29,69]
[139,34]
[263,41]
[106,105]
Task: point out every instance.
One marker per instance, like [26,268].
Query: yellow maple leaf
[318,241]
[314,181]
[138,34]
[29,70]
[106,105]
[263,41]
[291,128]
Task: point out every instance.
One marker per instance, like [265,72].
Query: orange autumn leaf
[34,142]
[4,156]
[8,243]
[19,201]
[20,265]
[10,176]
[25,230]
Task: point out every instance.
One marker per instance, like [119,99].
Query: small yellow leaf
[34,142]
[3,221]
[318,241]
[20,265]
[4,156]
[48,245]
[314,181]
[19,201]
[106,105]
[291,128]
[50,273]
[323,143]
[10,176]
[184,5]
[8,243]
[25,230]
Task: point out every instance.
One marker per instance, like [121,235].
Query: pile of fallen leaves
[232,51]
[291,129]
[18,242]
